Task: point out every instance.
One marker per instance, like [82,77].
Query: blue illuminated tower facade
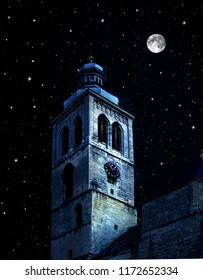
[92,169]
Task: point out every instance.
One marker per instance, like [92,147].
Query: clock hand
[112,166]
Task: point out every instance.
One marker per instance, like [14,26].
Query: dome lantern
[90,75]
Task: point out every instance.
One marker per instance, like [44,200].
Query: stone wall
[172,224]
[66,234]
[110,218]
[97,107]
[123,188]
[80,177]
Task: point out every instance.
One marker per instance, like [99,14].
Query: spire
[90,75]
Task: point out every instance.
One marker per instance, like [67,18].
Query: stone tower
[92,169]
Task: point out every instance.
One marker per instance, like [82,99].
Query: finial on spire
[90,59]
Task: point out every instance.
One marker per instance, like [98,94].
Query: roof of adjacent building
[123,243]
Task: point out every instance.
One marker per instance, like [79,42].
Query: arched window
[67,178]
[116,137]
[78,214]
[78,131]
[65,140]
[102,129]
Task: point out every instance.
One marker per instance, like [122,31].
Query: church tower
[92,169]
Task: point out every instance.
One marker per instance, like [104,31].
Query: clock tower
[92,169]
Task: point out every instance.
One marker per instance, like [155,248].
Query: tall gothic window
[102,129]
[65,140]
[116,137]
[78,212]
[67,178]
[78,131]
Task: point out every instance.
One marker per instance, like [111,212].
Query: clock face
[112,169]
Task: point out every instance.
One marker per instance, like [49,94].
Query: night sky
[42,47]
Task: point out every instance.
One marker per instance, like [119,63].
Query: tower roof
[91,76]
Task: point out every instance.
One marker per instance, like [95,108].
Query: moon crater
[156,43]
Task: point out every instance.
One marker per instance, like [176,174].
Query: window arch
[78,131]
[65,140]
[102,129]
[78,214]
[117,137]
[67,178]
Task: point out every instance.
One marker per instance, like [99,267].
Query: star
[46,62]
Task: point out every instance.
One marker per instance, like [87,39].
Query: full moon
[156,43]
